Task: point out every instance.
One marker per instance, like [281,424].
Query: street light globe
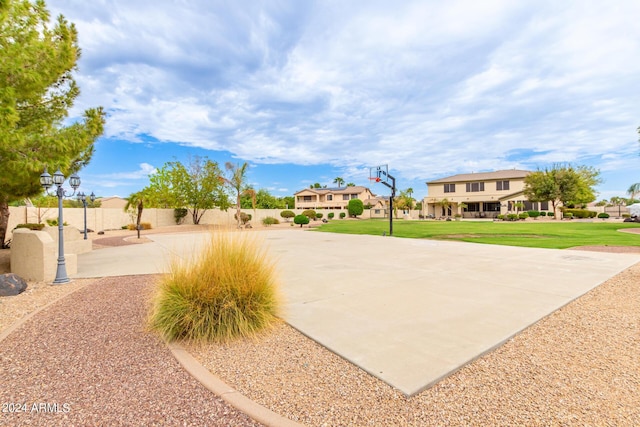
[74,181]
[45,180]
[58,178]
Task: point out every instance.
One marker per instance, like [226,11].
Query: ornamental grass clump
[227,291]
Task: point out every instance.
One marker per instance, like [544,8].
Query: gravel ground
[91,360]
[578,366]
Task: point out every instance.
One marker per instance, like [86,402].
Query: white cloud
[430,88]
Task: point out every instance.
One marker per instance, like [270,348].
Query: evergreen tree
[37,89]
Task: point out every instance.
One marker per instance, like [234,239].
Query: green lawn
[537,234]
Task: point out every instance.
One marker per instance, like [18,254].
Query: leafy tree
[602,203]
[404,201]
[37,88]
[310,213]
[351,184]
[338,180]
[316,185]
[287,215]
[301,219]
[355,207]
[562,185]
[198,188]
[288,202]
[263,200]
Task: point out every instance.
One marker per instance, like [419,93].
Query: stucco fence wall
[100,219]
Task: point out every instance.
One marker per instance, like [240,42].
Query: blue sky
[306,91]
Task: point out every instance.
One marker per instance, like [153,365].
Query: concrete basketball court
[407,311]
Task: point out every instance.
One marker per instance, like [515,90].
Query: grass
[226,291]
[535,234]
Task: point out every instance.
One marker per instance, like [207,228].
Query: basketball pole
[392,186]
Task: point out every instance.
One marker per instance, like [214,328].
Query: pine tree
[37,89]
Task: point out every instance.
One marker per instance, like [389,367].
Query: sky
[307,91]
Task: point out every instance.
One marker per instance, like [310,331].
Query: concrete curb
[228,394]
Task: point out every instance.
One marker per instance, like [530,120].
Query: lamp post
[47,181]
[83,198]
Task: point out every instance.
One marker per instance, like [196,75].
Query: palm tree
[445,203]
[236,182]
[137,201]
[338,181]
[634,190]
[619,202]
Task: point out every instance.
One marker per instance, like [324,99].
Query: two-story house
[479,195]
[331,198]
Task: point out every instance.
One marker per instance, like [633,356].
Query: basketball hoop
[374,178]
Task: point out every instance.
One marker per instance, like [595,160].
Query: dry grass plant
[228,290]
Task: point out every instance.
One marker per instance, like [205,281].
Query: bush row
[578,213]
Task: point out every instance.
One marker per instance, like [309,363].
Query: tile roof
[481,176]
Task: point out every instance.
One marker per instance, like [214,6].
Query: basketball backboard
[379,173]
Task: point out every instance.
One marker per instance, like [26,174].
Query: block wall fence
[101,219]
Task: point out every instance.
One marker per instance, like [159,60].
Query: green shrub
[533,214]
[309,213]
[179,214]
[550,214]
[269,220]
[603,215]
[53,222]
[580,213]
[226,291]
[287,215]
[512,217]
[568,215]
[330,215]
[523,215]
[31,226]
[301,219]
[500,216]
[319,215]
[342,215]
[626,215]
[355,207]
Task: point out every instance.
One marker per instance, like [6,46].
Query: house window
[376,211]
[345,197]
[492,207]
[472,207]
[502,185]
[307,198]
[449,188]
[354,196]
[329,197]
[544,206]
[474,187]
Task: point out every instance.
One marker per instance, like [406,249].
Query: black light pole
[58,179]
[392,186]
[83,198]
